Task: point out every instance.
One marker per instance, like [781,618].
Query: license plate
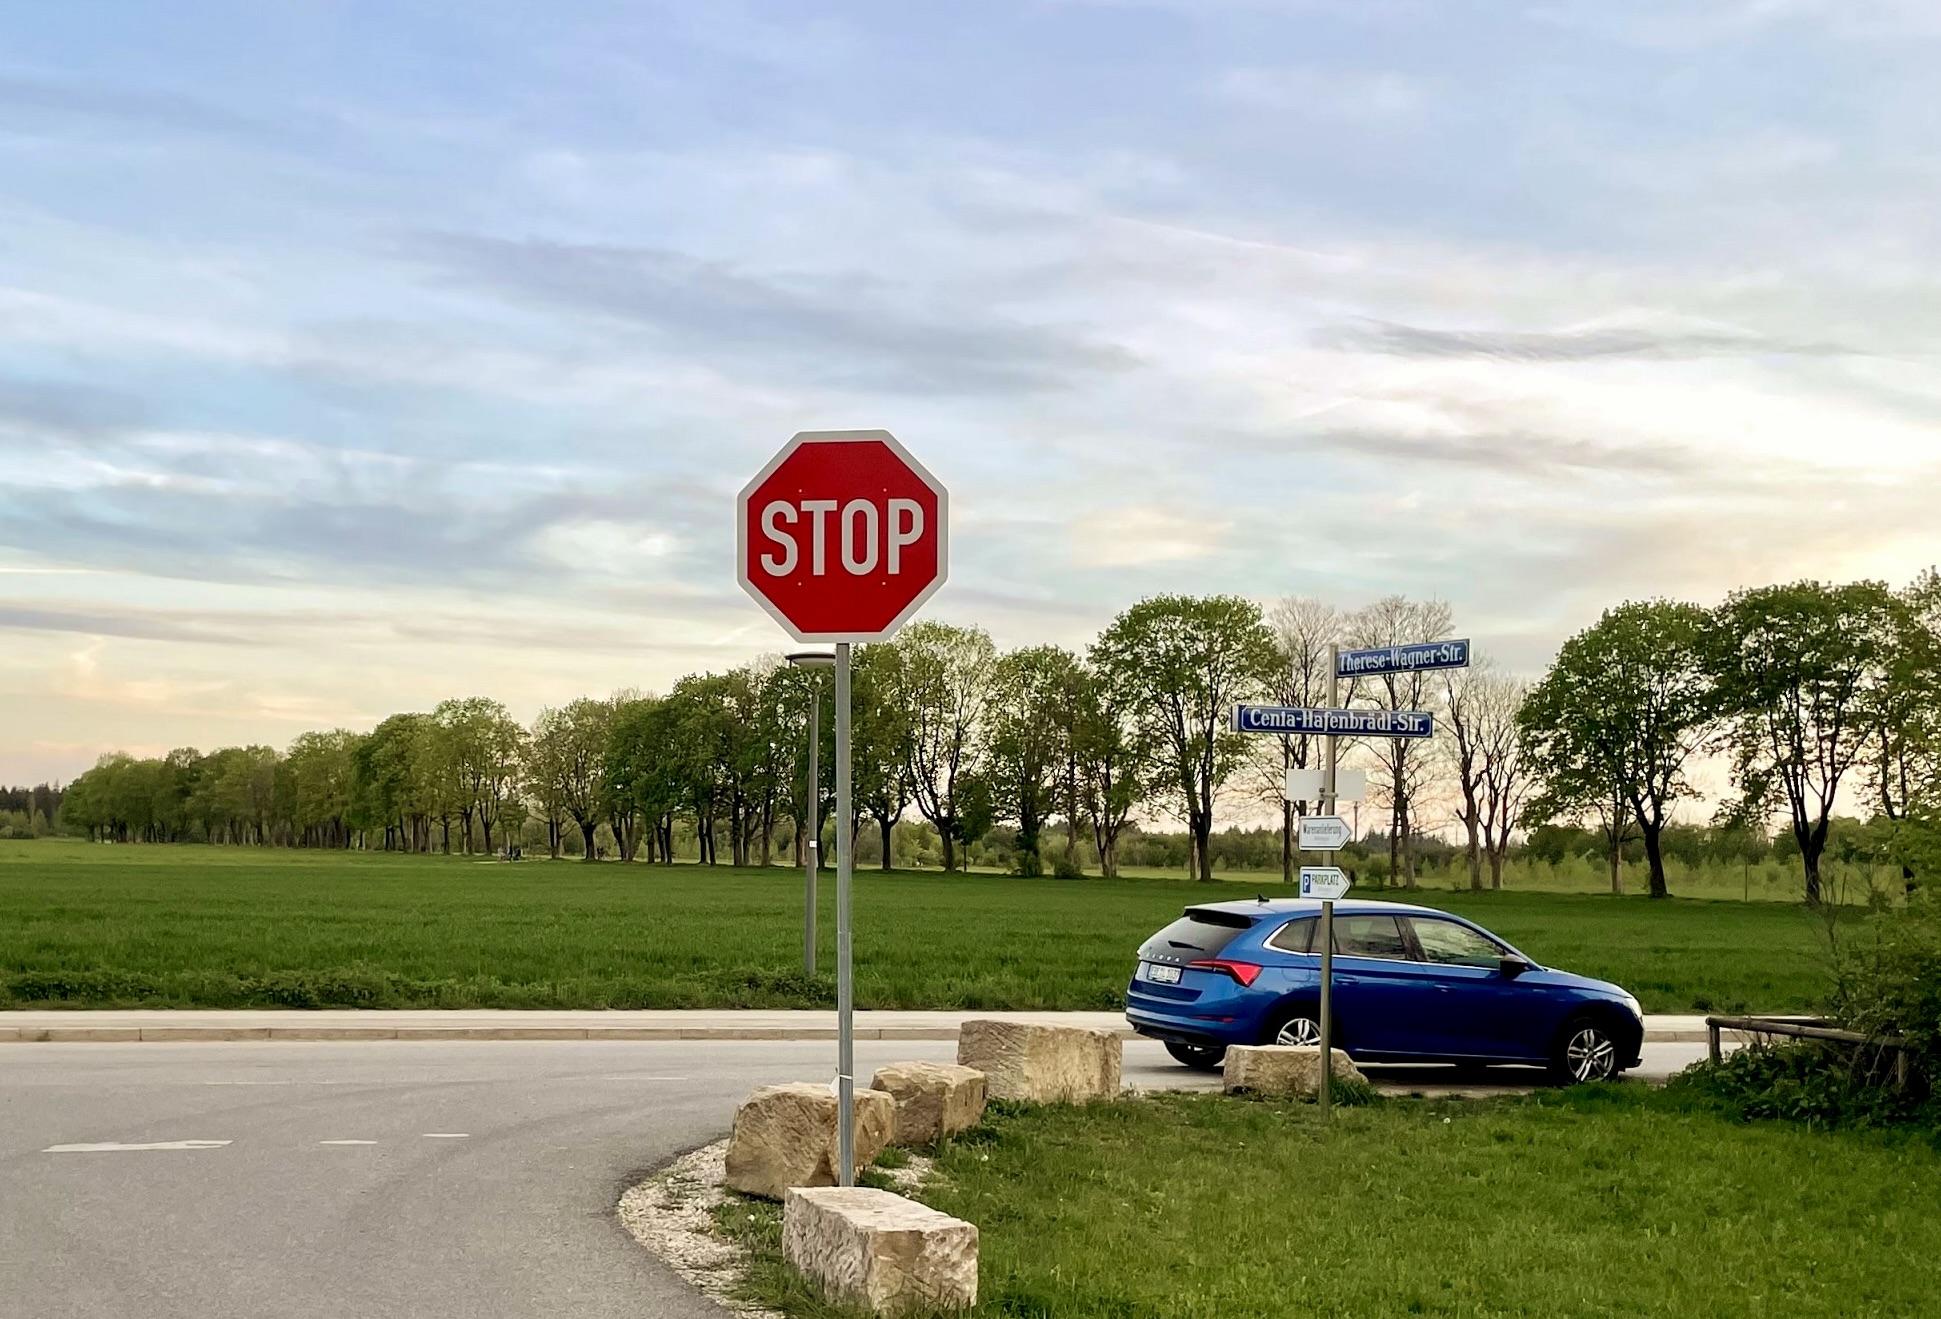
[1162,974]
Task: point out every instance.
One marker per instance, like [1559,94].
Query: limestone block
[879,1250]
[1282,1071]
[1044,1064]
[933,1100]
[785,1135]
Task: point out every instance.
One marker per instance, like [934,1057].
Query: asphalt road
[418,1180]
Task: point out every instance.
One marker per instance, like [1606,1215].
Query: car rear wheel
[1302,1027]
[1585,1051]
[1200,1057]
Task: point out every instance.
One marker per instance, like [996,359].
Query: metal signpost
[1329,833]
[841,537]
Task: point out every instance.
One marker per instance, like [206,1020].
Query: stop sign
[842,536]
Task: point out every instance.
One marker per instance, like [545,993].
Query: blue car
[1411,984]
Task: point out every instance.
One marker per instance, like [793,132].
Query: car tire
[1200,1057]
[1301,1026]
[1586,1050]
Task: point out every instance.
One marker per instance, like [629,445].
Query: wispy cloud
[846,328]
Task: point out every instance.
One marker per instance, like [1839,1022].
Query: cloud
[1584,344]
[1138,537]
[25,101]
[838,329]
[1530,454]
[139,624]
[1356,96]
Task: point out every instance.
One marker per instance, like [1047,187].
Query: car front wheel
[1201,1057]
[1586,1051]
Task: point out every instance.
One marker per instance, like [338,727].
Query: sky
[357,355]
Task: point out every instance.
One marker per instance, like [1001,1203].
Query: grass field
[94,925]
[1616,1201]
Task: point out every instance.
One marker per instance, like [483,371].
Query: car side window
[1370,936]
[1296,936]
[1450,944]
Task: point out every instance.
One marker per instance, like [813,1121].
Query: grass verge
[185,926]
[1611,1201]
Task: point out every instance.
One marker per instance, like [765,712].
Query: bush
[1819,1084]
[1890,985]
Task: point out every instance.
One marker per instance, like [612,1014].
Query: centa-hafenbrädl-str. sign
[1402,659]
[1340,723]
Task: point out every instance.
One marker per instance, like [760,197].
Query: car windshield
[1193,936]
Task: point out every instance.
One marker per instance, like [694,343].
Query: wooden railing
[1804,1028]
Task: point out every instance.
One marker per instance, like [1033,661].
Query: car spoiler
[1233,920]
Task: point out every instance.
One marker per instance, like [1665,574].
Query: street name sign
[1335,723]
[842,536]
[1324,833]
[1326,882]
[1402,659]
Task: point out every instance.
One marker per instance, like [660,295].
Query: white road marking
[448,1135]
[625,1077]
[347,1142]
[115,1146]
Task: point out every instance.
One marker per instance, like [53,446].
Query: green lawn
[1612,1202]
[95,925]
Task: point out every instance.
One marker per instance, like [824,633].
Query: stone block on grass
[1043,1064]
[1282,1071]
[880,1250]
[785,1135]
[933,1100]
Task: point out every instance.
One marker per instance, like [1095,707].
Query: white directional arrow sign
[1324,833]
[1323,882]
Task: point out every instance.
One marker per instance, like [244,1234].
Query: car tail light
[1244,972]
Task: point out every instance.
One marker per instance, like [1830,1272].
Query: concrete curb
[81,1034]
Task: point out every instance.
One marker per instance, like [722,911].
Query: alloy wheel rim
[1301,1030]
[1590,1055]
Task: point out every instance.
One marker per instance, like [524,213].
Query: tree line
[946,728]
[1806,690]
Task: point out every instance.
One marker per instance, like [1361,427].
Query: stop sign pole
[841,537]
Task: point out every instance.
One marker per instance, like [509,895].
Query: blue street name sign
[1340,723]
[1402,659]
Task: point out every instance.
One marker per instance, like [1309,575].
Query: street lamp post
[812,660]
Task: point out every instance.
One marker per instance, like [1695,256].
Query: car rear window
[1296,936]
[1195,935]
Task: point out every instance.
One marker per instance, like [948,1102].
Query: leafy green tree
[323,769]
[946,688]
[395,782]
[880,733]
[1113,762]
[481,746]
[1185,661]
[1621,712]
[1805,671]
[1026,749]
[642,766]
[568,755]
[1906,761]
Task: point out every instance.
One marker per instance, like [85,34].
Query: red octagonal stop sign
[842,535]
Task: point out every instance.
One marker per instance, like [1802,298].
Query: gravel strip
[670,1214]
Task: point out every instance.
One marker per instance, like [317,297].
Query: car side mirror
[1512,967]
